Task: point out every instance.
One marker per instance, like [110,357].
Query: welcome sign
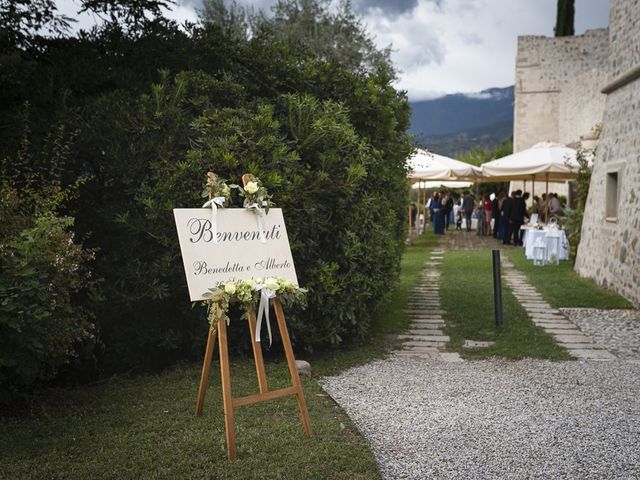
[245,249]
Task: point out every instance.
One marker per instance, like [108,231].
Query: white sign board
[239,253]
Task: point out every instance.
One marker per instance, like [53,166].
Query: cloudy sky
[446,46]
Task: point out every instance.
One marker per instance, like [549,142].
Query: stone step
[592,354]
[425,331]
[425,343]
[536,305]
[581,338]
[424,338]
[558,331]
[452,357]
[426,326]
[580,346]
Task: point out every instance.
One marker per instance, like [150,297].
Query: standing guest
[555,209]
[458,218]
[535,208]
[542,210]
[457,215]
[518,211]
[495,215]
[507,207]
[414,214]
[501,223]
[438,223]
[487,207]
[434,202]
[448,209]
[467,208]
[525,197]
[481,217]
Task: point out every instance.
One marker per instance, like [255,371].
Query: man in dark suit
[518,212]
[507,208]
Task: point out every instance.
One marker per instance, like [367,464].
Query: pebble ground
[428,414]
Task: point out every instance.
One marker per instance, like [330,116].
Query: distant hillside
[455,123]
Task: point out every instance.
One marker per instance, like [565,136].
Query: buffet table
[531,235]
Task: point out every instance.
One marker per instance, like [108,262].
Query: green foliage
[43,273]
[153,107]
[573,221]
[478,155]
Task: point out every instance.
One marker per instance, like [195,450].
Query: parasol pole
[423,187]
[546,215]
[533,189]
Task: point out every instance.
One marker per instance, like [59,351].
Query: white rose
[230,288]
[271,283]
[251,187]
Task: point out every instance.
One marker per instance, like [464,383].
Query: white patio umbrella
[437,169]
[441,183]
[544,161]
[431,166]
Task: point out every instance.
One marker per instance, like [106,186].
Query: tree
[565,18]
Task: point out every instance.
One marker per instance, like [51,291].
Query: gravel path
[618,330]
[496,418]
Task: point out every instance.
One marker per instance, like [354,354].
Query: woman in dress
[438,224]
[488,208]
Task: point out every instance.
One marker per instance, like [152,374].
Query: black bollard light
[497,287]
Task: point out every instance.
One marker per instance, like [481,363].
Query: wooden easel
[228,402]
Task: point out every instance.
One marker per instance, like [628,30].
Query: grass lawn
[561,286]
[466,291]
[143,426]
[390,319]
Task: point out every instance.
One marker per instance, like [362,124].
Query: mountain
[455,123]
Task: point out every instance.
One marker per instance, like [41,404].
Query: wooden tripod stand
[229,403]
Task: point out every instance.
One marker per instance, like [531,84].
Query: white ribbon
[214,203]
[260,217]
[263,310]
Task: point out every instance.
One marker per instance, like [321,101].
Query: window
[612,196]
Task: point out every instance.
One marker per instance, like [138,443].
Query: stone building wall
[581,106]
[557,92]
[610,248]
[545,68]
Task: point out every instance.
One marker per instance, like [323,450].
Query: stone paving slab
[551,320]
[426,326]
[581,346]
[593,354]
[422,331]
[573,338]
[566,331]
[451,357]
[424,338]
[423,344]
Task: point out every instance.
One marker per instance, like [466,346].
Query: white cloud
[439,46]
[466,45]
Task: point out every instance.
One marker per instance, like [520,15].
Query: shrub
[43,271]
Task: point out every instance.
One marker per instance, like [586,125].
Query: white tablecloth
[531,235]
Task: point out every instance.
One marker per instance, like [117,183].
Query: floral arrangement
[216,187]
[254,193]
[247,292]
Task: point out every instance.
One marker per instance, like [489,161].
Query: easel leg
[257,355]
[227,400]
[206,369]
[293,370]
